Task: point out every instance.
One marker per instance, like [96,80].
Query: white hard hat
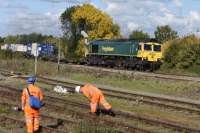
[77,89]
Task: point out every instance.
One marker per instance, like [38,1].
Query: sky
[42,16]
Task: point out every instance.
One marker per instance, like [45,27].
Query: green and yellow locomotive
[132,54]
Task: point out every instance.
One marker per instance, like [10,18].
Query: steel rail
[132,94]
[157,121]
[126,93]
[60,121]
[140,74]
[14,120]
[106,122]
[133,97]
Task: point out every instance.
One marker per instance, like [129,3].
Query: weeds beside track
[52,105]
[193,107]
[153,121]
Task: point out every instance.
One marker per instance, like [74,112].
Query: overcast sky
[42,16]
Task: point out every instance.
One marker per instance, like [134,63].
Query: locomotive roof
[127,40]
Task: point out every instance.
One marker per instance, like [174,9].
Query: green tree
[69,29]
[10,39]
[182,53]
[139,35]
[26,38]
[1,40]
[165,33]
[35,37]
[96,23]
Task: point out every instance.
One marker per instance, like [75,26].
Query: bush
[182,53]
[8,54]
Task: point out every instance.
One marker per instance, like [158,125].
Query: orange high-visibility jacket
[35,91]
[95,96]
[90,90]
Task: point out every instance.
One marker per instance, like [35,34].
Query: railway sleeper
[133,116]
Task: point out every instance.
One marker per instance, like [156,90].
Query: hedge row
[182,53]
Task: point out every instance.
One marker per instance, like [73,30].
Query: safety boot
[38,131]
[111,113]
[98,112]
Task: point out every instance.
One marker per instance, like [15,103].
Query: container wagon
[43,50]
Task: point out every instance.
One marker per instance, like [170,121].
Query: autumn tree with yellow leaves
[95,22]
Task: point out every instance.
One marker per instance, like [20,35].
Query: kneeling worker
[31,114]
[95,96]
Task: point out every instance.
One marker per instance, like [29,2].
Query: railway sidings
[60,105]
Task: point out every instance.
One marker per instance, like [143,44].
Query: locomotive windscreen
[95,48]
[157,48]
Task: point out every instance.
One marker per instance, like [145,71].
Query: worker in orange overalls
[31,115]
[95,96]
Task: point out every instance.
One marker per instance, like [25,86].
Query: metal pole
[59,55]
[36,61]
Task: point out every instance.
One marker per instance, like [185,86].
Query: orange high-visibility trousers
[31,115]
[96,99]
[32,122]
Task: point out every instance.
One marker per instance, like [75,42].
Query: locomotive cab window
[147,47]
[157,48]
[139,47]
[95,48]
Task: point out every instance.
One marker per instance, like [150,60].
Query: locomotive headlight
[145,58]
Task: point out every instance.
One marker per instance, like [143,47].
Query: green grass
[133,107]
[172,88]
[192,71]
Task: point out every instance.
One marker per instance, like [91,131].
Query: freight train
[143,55]
[43,49]
[129,54]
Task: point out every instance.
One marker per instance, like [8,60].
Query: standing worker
[95,96]
[31,113]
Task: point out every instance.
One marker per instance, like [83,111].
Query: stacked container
[40,49]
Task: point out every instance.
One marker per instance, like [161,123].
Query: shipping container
[40,49]
[21,48]
[4,47]
[14,47]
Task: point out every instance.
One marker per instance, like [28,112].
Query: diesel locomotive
[132,54]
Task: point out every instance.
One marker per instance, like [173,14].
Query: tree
[139,35]
[68,27]
[96,23]
[10,39]
[24,39]
[1,40]
[165,33]
[183,52]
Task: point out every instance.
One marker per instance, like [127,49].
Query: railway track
[52,105]
[135,74]
[161,101]
[8,120]
[164,123]
[63,121]
[177,104]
